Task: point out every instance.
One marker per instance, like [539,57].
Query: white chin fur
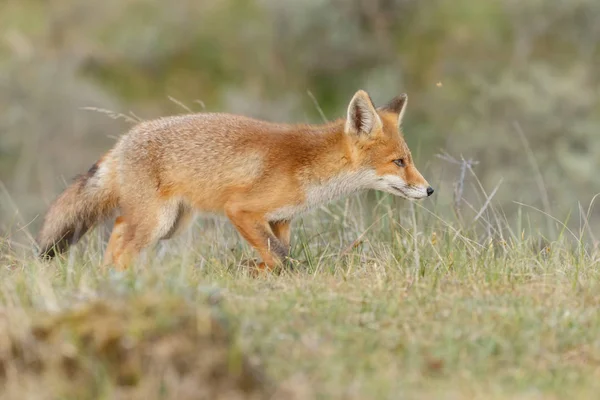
[415,193]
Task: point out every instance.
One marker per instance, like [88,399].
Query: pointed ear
[362,117]
[397,105]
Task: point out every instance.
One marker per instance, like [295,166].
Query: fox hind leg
[115,242]
[182,221]
[281,230]
[141,227]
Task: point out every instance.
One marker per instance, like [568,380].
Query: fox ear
[397,105]
[362,116]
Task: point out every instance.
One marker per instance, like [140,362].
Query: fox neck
[330,173]
[338,186]
[328,155]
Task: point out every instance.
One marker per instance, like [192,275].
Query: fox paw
[249,263]
[255,267]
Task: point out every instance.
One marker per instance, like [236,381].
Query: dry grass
[385,301]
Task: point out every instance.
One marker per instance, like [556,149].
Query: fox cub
[259,174]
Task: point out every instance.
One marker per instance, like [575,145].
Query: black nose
[429,191]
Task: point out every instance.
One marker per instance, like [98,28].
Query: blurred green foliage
[485,80]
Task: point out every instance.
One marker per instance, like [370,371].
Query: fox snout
[411,186]
[416,186]
[416,192]
[399,187]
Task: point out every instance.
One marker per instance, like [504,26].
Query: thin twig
[180,104]
[319,109]
[114,115]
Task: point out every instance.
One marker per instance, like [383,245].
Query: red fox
[259,174]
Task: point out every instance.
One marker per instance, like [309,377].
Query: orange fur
[115,242]
[259,174]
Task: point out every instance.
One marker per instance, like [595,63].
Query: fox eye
[400,162]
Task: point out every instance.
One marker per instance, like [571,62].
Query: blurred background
[511,85]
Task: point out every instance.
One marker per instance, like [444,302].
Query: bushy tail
[90,199]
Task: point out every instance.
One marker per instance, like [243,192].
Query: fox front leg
[255,229]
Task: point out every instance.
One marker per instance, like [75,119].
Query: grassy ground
[385,302]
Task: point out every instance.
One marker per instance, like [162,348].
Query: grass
[386,300]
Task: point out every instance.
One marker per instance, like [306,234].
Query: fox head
[378,145]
